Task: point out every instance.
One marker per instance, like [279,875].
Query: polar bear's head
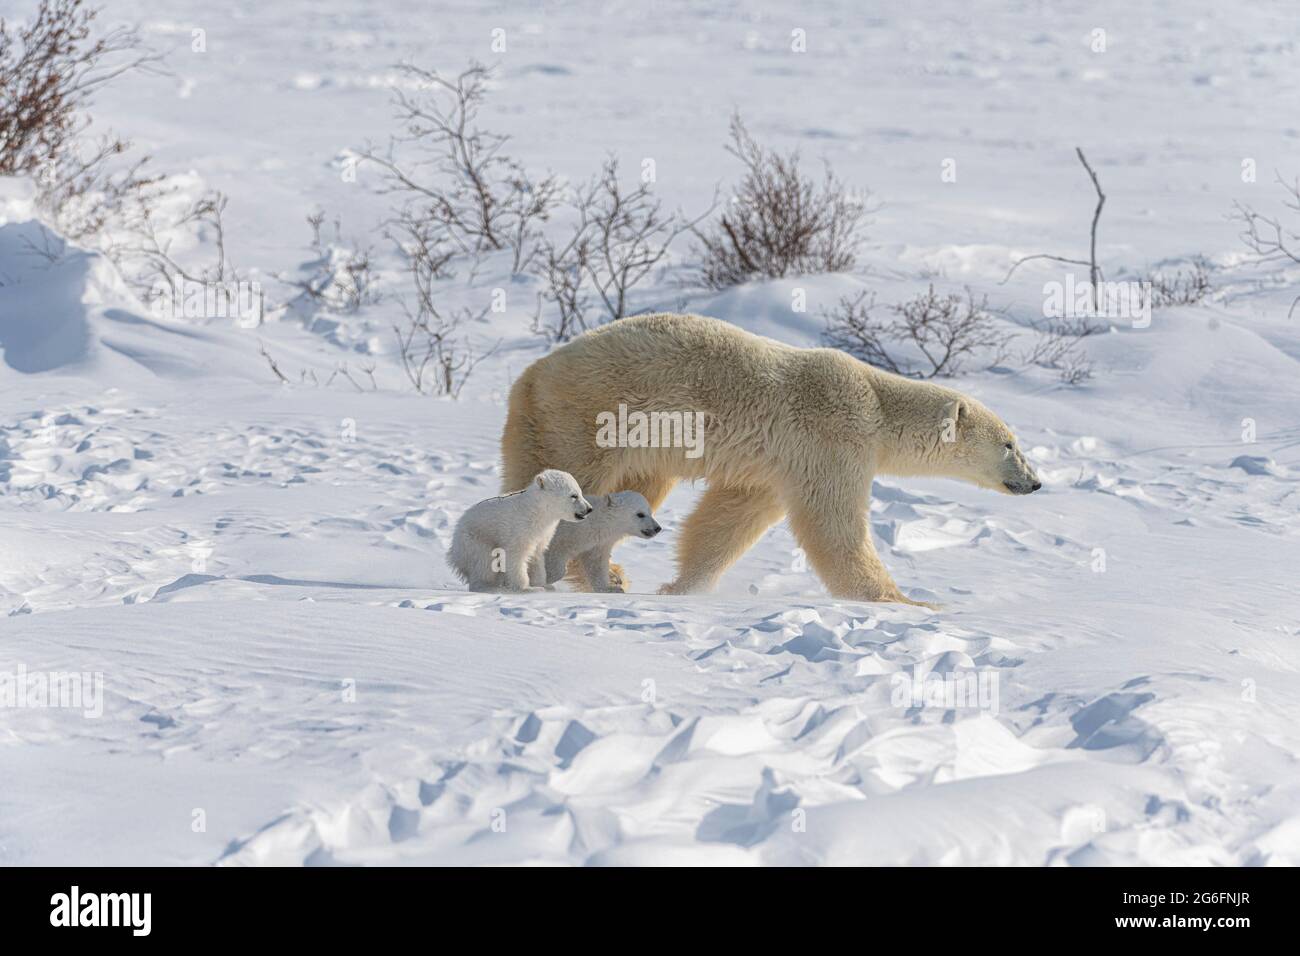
[563,497]
[629,513]
[983,450]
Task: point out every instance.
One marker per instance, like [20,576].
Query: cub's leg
[517,571]
[537,567]
[596,569]
[723,526]
[475,561]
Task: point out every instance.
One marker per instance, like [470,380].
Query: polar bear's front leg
[837,541]
[724,525]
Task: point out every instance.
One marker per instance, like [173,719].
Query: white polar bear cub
[499,544]
[614,517]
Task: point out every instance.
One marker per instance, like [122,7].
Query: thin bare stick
[1094,273]
[1101,201]
[271,362]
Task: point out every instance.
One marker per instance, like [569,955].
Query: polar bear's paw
[678,587]
[924,604]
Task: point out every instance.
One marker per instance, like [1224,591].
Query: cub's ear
[609,501]
[541,484]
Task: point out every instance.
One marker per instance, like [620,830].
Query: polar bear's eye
[574,497]
[640,514]
[1008,446]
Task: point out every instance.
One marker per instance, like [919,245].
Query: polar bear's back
[760,400]
[665,361]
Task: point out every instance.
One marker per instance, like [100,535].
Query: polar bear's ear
[609,501]
[541,484]
[953,413]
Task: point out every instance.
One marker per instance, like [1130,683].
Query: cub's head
[563,494]
[631,514]
[983,450]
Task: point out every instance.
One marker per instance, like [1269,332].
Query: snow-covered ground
[290,673]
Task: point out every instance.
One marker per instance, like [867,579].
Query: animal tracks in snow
[366,711]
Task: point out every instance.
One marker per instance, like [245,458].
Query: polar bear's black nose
[1036,486]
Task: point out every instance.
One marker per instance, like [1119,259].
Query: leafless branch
[1268,239]
[271,362]
[1094,272]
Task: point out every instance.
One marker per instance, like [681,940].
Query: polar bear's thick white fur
[788,432]
[500,544]
[615,517]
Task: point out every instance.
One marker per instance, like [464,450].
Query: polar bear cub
[613,518]
[499,544]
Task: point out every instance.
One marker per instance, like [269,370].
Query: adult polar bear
[788,431]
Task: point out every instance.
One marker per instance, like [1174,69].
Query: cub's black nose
[1037,485]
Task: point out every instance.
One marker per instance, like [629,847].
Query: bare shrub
[143,248]
[618,237]
[85,192]
[1180,287]
[1267,238]
[49,72]
[630,235]
[435,355]
[947,330]
[563,271]
[779,222]
[434,350]
[1056,345]
[852,327]
[453,178]
[340,279]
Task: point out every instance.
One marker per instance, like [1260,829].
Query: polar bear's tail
[521,450]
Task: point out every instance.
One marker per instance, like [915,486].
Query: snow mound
[66,310]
